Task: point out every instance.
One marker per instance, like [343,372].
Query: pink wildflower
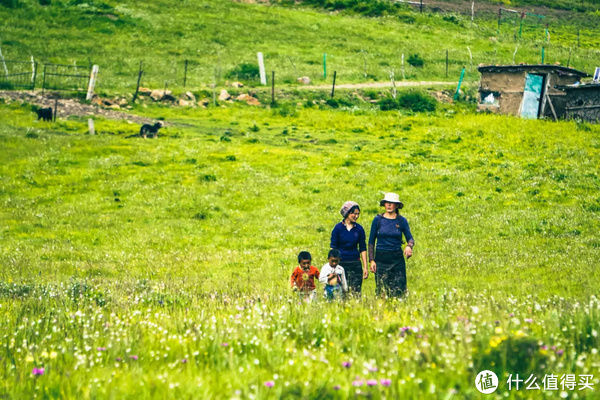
[357,383]
[372,382]
[347,364]
[386,382]
[269,383]
[101,348]
[134,357]
[38,371]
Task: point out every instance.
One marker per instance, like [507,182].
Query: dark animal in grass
[44,113]
[151,130]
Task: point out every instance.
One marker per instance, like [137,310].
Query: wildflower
[184,361]
[357,382]
[347,364]
[53,355]
[29,358]
[101,348]
[133,357]
[38,371]
[385,382]
[372,382]
[269,383]
[528,320]
[337,387]
[224,344]
[119,359]
[559,352]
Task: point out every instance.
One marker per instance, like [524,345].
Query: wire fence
[61,77]
[18,74]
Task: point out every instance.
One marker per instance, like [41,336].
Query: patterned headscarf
[347,207]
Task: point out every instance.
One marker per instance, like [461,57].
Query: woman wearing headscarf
[387,258]
[349,238]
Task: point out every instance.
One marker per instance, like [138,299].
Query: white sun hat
[391,198]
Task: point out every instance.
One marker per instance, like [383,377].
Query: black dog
[150,129]
[44,113]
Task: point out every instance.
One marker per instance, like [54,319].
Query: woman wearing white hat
[387,258]
[349,238]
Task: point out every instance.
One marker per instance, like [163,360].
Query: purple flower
[386,382]
[544,347]
[101,348]
[528,320]
[373,369]
[347,364]
[559,352]
[224,344]
[119,359]
[184,361]
[337,387]
[511,314]
[269,383]
[38,371]
[357,383]
[372,382]
[134,357]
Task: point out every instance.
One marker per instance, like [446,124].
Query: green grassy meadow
[216,36]
[159,268]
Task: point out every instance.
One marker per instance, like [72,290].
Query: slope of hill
[216,36]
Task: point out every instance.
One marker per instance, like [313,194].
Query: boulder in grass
[203,103]
[190,96]
[156,95]
[144,91]
[251,101]
[224,95]
[305,80]
[186,103]
[237,84]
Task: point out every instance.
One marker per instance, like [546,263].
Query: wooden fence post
[272,87]
[446,63]
[185,73]
[92,83]
[333,87]
[137,87]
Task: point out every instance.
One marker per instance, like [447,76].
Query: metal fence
[65,77]
[18,74]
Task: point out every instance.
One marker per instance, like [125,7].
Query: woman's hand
[408,252]
[373,266]
[365,273]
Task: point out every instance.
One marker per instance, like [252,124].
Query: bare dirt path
[378,85]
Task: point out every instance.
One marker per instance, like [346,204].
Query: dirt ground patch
[68,107]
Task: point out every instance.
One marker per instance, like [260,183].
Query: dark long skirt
[390,276]
[354,275]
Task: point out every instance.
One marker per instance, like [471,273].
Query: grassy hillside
[216,36]
[159,268]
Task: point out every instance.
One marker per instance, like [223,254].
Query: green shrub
[244,71]
[416,101]
[415,60]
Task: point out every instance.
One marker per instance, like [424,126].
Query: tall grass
[159,268]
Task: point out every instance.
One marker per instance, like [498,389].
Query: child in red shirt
[303,277]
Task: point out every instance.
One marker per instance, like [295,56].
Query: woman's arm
[333,244]
[372,239]
[410,241]
[363,261]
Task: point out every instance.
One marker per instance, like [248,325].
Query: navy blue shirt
[347,241]
[389,234]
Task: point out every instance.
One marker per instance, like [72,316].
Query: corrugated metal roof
[532,67]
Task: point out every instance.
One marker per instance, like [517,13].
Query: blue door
[532,95]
